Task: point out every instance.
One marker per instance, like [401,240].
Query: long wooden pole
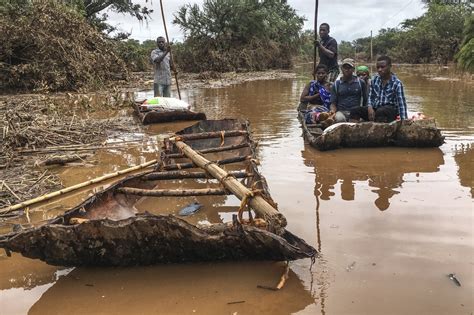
[315,57]
[168,41]
[261,207]
[371,50]
[185,174]
[173,192]
[75,187]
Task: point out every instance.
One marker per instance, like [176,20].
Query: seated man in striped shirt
[386,96]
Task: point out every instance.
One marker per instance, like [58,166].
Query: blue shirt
[347,95]
[391,94]
[325,96]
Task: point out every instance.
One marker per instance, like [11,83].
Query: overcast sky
[348,19]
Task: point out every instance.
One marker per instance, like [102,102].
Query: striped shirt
[391,94]
[162,69]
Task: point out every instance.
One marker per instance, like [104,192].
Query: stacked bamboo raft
[108,229]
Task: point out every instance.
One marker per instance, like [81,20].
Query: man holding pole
[327,48]
[162,64]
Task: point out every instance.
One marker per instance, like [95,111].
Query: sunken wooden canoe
[108,229]
[155,117]
[406,133]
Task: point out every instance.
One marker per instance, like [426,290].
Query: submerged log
[173,192]
[185,174]
[276,220]
[64,159]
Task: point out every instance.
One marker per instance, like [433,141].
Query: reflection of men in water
[347,189]
[385,184]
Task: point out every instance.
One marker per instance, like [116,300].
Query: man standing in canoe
[327,48]
[162,63]
[386,96]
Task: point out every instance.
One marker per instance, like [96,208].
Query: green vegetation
[465,56]
[65,45]
[51,47]
[227,35]
[435,37]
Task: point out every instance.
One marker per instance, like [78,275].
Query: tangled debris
[37,131]
[48,47]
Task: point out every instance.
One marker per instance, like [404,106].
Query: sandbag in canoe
[164,104]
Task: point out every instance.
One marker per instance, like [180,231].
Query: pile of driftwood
[39,131]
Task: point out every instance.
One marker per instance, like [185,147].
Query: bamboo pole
[212,134]
[315,56]
[75,187]
[168,40]
[173,192]
[261,207]
[211,150]
[185,174]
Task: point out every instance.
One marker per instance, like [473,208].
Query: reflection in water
[381,168]
[225,288]
[401,257]
[464,157]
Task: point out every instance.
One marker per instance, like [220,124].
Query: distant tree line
[220,35]
[444,34]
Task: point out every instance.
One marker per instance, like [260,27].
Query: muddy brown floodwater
[390,223]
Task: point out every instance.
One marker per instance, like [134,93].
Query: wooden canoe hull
[107,230]
[407,133]
[156,117]
[150,239]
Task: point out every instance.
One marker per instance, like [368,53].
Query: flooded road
[390,223]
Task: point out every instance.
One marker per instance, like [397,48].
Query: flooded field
[390,223]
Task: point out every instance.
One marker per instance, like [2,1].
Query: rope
[244,203]
[222,138]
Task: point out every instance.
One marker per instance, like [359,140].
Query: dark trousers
[382,114]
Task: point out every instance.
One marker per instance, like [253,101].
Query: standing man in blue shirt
[162,64]
[386,96]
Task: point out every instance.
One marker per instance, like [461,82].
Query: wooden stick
[211,134]
[83,148]
[211,150]
[180,166]
[75,187]
[185,174]
[315,38]
[173,192]
[11,191]
[276,220]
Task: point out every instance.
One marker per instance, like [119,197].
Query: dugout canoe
[107,229]
[406,133]
[147,116]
